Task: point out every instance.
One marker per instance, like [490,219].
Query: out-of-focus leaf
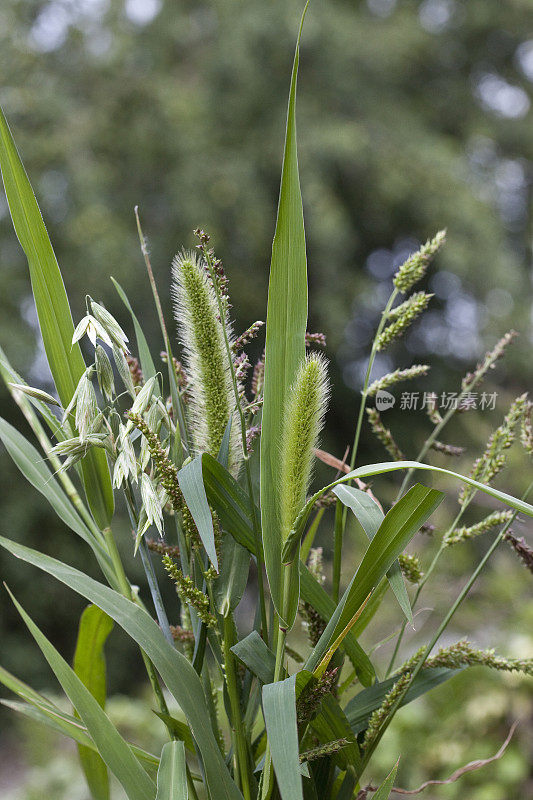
[172,774]
[279,711]
[65,359]
[43,710]
[285,345]
[371,516]
[192,485]
[114,750]
[175,670]
[90,667]
[397,529]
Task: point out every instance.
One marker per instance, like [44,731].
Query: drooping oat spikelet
[302,423]
[380,715]
[110,326]
[104,372]
[383,434]
[188,592]
[493,459]
[447,449]
[410,567]
[416,371]
[486,525]
[405,316]
[416,265]
[211,394]
[523,551]
[489,361]
[462,654]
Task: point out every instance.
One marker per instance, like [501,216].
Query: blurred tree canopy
[412,116]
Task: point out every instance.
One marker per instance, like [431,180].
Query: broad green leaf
[393,466]
[229,587]
[331,724]
[114,750]
[172,774]
[383,792]
[360,707]
[191,484]
[257,656]
[145,357]
[89,666]
[314,593]
[398,527]
[233,508]
[279,711]
[176,671]
[371,516]
[65,360]
[285,340]
[179,729]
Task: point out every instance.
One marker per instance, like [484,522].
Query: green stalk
[442,627]
[181,428]
[340,527]
[241,747]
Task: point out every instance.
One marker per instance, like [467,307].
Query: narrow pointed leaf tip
[285,337]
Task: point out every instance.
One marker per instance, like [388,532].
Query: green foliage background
[412,116]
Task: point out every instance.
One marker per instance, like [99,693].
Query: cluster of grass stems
[185,444]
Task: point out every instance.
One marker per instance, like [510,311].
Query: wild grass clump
[174,439]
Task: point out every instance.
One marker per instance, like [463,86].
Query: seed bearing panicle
[414,269]
[405,316]
[303,421]
[383,434]
[486,525]
[416,371]
[211,396]
[493,459]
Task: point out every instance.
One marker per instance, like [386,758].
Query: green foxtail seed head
[211,393]
[303,420]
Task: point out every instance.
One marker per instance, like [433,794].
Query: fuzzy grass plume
[304,417]
[211,397]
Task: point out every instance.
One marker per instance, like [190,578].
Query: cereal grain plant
[174,439]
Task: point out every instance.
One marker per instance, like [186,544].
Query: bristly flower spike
[302,424]
[211,396]
[414,269]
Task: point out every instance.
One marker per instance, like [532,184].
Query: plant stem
[241,749]
[340,527]
[181,429]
